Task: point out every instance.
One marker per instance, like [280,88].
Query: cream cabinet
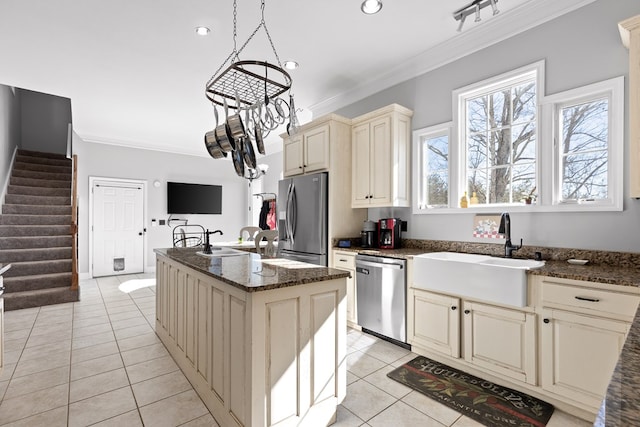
[347,261]
[307,152]
[434,322]
[500,340]
[380,171]
[583,330]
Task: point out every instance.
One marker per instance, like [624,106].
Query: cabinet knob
[467,311]
[305,166]
[299,167]
[546,320]
[366,197]
[454,308]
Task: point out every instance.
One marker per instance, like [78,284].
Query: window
[499,127]
[514,147]
[431,146]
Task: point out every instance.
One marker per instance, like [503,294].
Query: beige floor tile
[89,321]
[357,340]
[21,386]
[40,401]
[151,369]
[89,308]
[91,330]
[467,422]
[54,328]
[130,419]
[50,319]
[17,325]
[20,334]
[161,387]
[562,419]
[174,410]
[362,365]
[101,407]
[128,323]
[39,364]
[97,384]
[346,418]
[385,351]
[380,379]
[121,308]
[3,388]
[402,415]
[139,341]
[351,378]
[204,421]
[14,345]
[142,354]
[133,331]
[7,371]
[55,337]
[45,349]
[366,400]
[408,358]
[125,315]
[93,352]
[11,356]
[53,418]
[91,340]
[95,366]
[431,407]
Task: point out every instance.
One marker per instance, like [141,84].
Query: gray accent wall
[45,121]
[9,131]
[109,161]
[579,48]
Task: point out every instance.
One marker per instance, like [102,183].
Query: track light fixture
[474,8]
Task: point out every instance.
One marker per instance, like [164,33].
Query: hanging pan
[223,134]
[211,142]
[248,154]
[235,122]
[238,163]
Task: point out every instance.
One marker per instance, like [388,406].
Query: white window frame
[443,129]
[613,90]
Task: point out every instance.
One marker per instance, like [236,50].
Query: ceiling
[135,71]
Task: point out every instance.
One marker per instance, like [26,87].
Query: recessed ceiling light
[202,31]
[290,65]
[371,6]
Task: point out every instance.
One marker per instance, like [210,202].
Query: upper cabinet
[380,161]
[630,33]
[307,151]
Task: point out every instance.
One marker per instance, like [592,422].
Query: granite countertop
[251,272]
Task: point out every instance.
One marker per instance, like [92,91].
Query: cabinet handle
[454,308]
[342,260]
[546,320]
[467,311]
[588,299]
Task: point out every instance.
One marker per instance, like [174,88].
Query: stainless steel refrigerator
[302,218]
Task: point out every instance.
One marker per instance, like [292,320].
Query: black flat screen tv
[185,198]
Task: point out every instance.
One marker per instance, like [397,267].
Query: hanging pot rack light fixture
[474,8]
[252,90]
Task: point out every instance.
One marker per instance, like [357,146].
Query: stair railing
[74,224]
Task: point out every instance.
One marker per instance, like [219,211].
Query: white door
[118,228]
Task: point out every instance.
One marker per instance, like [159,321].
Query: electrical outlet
[162,222]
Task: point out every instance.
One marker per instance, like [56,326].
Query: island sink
[218,252]
[481,277]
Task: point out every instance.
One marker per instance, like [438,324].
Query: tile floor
[98,362]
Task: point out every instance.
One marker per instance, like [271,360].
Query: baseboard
[84,276]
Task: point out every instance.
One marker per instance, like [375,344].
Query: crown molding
[474,38]
[94,139]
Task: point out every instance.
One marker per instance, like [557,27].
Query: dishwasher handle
[378,265]
[361,270]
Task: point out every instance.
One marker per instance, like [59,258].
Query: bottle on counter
[464,201]
[474,199]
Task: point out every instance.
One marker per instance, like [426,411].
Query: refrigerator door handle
[294,212]
[288,228]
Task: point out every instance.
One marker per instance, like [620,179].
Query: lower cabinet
[347,261]
[435,324]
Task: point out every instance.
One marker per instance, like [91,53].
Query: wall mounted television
[183,198]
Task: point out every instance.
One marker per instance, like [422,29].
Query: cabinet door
[293,156]
[436,322]
[579,354]
[500,340]
[381,171]
[316,149]
[360,161]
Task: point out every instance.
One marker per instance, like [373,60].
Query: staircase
[35,232]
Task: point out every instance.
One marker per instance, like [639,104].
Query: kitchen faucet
[505,228]
[207,245]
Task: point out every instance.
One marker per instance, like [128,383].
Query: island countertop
[251,272]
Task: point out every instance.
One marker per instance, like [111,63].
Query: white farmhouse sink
[482,277]
[218,251]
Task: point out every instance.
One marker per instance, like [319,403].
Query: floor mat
[484,401]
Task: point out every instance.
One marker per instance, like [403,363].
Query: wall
[99,160]
[45,121]
[581,47]
[9,132]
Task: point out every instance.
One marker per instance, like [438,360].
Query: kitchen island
[262,340]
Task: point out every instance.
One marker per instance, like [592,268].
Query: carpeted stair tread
[37,167]
[38,298]
[8,256]
[36,182]
[18,199]
[31,268]
[36,281]
[34,230]
[43,160]
[32,153]
[39,191]
[36,209]
[41,175]
[35,242]
[11,219]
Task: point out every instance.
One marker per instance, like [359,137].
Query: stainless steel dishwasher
[381,296]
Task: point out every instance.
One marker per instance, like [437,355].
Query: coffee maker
[368,235]
[389,233]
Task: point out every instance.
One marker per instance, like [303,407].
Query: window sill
[584,208]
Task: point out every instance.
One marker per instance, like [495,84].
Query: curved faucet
[207,245]
[505,229]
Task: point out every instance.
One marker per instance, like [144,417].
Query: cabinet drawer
[344,260]
[589,300]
